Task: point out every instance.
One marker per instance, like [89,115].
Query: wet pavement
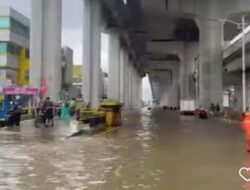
[155,150]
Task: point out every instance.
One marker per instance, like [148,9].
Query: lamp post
[243,65]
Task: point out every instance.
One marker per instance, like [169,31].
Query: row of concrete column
[125,83]
[169,86]
[208,53]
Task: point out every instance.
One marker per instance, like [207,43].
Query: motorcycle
[12,118]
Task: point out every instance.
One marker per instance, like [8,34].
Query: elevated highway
[179,44]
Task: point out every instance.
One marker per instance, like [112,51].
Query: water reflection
[145,133]
[13,160]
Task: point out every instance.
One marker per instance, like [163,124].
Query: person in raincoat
[72,106]
[65,114]
[246,128]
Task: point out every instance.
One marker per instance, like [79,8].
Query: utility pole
[243,65]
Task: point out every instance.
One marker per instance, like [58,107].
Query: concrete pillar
[46,60]
[52,64]
[173,89]
[164,100]
[130,81]
[122,76]
[137,103]
[140,91]
[237,103]
[86,81]
[133,87]
[91,51]
[169,95]
[114,67]
[101,85]
[210,51]
[184,80]
[136,90]
[190,52]
[210,62]
[36,43]
[127,82]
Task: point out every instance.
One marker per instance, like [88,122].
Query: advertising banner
[20,90]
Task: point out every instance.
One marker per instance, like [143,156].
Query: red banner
[44,88]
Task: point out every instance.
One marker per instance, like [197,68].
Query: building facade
[14,47]
[77,81]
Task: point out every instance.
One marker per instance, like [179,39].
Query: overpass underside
[179,44]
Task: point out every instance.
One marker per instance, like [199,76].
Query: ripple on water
[97,182]
[13,161]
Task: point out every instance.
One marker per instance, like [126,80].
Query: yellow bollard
[109,118]
[112,113]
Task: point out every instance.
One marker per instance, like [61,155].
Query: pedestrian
[49,112]
[217,108]
[39,106]
[246,128]
[65,113]
[17,113]
[72,106]
[212,109]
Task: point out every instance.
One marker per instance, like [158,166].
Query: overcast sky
[72,31]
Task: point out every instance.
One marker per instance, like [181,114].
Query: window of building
[4,22]
[9,48]
[3,47]
[13,49]
[19,28]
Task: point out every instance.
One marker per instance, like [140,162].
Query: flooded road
[154,150]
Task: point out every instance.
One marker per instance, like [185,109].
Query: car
[202,113]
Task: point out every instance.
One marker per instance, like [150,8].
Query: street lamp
[243,64]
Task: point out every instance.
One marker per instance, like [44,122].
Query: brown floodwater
[153,150]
